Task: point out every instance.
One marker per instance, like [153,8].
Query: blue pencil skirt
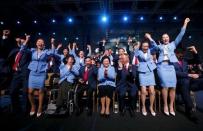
[167,75]
[36,80]
[146,78]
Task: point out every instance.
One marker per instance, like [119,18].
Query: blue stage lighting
[104,19]
[141,18]
[160,18]
[125,18]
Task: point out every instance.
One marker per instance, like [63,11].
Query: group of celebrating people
[149,65]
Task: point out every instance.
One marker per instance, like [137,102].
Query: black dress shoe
[89,113]
[78,112]
[192,116]
[122,112]
[58,109]
[132,113]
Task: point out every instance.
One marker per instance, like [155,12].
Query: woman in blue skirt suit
[165,68]
[146,68]
[37,76]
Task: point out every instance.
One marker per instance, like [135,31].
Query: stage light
[141,18]
[65,38]
[2,23]
[190,37]
[35,22]
[54,33]
[77,38]
[53,21]
[160,18]
[39,33]
[104,19]
[18,22]
[125,18]
[70,20]
[175,18]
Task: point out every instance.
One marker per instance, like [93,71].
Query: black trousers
[183,87]
[64,88]
[79,94]
[196,84]
[131,100]
[19,81]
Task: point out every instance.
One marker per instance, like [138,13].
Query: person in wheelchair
[87,84]
[106,79]
[125,83]
[68,74]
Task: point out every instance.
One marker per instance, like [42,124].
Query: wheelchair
[68,104]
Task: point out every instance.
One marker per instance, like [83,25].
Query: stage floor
[97,123]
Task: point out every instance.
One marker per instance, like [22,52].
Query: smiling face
[70,61]
[88,62]
[165,38]
[81,54]
[106,62]
[121,51]
[65,52]
[40,44]
[145,46]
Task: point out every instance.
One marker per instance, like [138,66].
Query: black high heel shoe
[102,114]
[107,115]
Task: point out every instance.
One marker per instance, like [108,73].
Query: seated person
[106,79]
[68,74]
[87,82]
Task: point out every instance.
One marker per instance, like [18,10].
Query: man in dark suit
[21,60]
[6,45]
[126,76]
[87,84]
[187,81]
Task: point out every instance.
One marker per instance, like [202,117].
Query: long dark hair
[65,60]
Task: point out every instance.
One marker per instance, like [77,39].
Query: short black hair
[88,57]
[105,57]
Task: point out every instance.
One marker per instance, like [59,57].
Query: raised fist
[187,20]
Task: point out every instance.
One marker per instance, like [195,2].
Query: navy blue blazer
[125,79]
[92,76]
[24,61]
[181,70]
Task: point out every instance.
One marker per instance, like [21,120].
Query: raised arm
[89,50]
[136,49]
[52,43]
[153,44]
[182,32]
[73,50]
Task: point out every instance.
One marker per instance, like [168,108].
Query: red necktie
[181,63]
[136,61]
[125,68]
[85,76]
[17,59]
